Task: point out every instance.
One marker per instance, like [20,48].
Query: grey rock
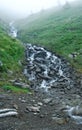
[40,54]
[42,116]
[59,120]
[44,77]
[19,62]
[70,56]
[47,100]
[23,101]
[10,72]
[40,103]
[1,104]
[21,84]
[33,108]
[15,106]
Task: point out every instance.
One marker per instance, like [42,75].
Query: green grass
[58,30]
[15,89]
[11,52]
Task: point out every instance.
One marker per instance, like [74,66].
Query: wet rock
[43,65]
[68,87]
[75,113]
[41,54]
[44,77]
[38,70]
[25,71]
[77,110]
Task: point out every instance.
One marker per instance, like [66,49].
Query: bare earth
[40,111]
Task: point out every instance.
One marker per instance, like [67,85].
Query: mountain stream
[48,72]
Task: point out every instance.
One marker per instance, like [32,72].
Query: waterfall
[13,30]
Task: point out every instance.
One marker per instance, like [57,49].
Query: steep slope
[59,30]
[11,49]
[11,52]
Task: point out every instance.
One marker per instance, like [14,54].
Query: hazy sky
[24,7]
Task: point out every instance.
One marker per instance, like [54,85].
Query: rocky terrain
[55,101]
[40,111]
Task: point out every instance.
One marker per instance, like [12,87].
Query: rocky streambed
[46,71]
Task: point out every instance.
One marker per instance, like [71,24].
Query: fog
[22,8]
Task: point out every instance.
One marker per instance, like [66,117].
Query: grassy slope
[58,30]
[11,51]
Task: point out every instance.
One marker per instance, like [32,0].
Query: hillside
[59,30]
[11,53]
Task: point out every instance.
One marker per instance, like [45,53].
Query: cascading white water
[13,30]
[45,69]
[75,113]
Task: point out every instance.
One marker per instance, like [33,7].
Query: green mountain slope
[59,30]
[11,51]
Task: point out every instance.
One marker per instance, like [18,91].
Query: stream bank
[56,99]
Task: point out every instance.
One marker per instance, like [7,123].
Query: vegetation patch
[15,89]
[59,30]
[11,58]
[11,52]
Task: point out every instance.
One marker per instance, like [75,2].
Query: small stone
[70,56]
[33,109]
[59,121]
[41,116]
[23,101]
[68,87]
[26,111]
[10,72]
[35,113]
[78,96]
[36,105]
[15,106]
[40,103]
[1,104]
[47,100]
[33,100]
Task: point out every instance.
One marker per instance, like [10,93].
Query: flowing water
[45,70]
[13,30]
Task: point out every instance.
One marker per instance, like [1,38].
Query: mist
[23,8]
